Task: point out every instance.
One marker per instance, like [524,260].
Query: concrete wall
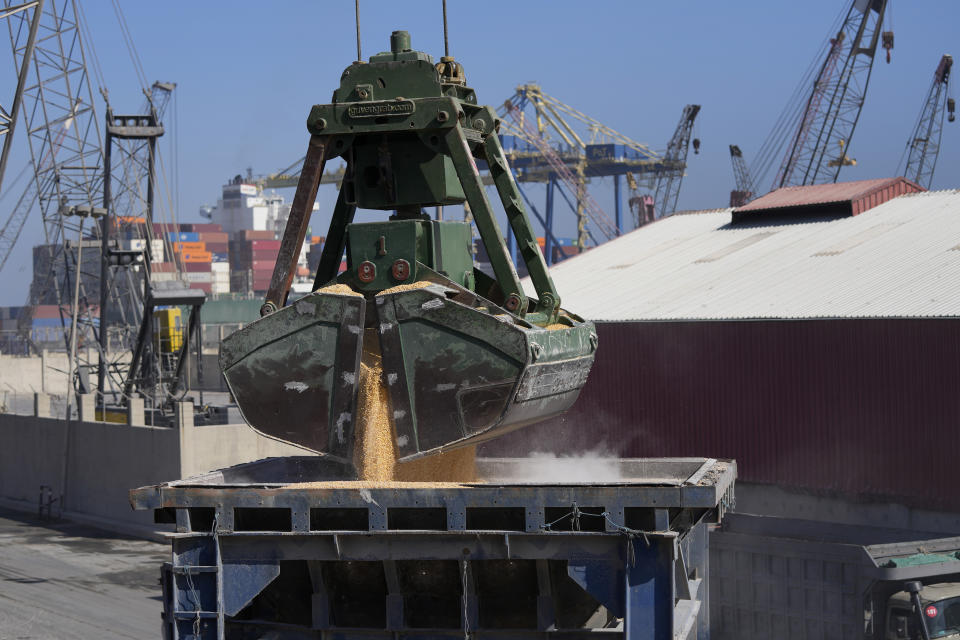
[106,460]
[29,374]
[47,373]
[207,448]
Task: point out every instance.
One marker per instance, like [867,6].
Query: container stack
[163,271]
[220,277]
[252,257]
[129,233]
[8,329]
[47,324]
[209,259]
[8,319]
[188,252]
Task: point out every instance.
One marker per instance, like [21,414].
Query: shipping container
[265,266]
[46,311]
[183,236]
[203,227]
[217,257]
[164,228]
[196,256]
[198,276]
[202,286]
[123,221]
[269,255]
[214,236]
[132,243]
[218,247]
[50,322]
[250,234]
[180,247]
[157,247]
[162,267]
[196,267]
[258,245]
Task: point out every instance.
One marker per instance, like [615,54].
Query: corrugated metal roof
[897,260]
[825,193]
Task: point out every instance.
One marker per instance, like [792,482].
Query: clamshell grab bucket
[458,370]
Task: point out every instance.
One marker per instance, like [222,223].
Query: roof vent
[824,201]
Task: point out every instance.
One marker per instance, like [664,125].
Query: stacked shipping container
[252,256]
[207,258]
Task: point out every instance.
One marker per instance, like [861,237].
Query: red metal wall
[880,196]
[867,408]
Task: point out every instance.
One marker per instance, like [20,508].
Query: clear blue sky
[247,73]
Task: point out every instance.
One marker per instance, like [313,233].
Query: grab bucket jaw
[459,373]
[293,372]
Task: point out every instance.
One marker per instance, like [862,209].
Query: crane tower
[675,163]
[745,190]
[923,147]
[819,147]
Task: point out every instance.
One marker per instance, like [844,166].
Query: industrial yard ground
[61,581]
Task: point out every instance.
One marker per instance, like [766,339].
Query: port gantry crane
[550,142]
[818,123]
[923,147]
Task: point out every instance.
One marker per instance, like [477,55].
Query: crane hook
[888,43]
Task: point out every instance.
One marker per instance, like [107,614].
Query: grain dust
[375,451]
[556,327]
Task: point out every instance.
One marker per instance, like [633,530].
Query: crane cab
[168,330]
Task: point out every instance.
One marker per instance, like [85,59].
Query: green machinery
[465,356]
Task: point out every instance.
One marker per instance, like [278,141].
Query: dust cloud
[591,466]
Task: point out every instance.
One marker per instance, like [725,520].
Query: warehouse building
[814,336]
